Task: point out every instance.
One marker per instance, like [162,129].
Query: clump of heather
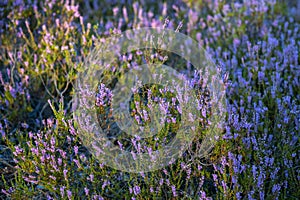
[43,48]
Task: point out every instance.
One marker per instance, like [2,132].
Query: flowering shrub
[43,47]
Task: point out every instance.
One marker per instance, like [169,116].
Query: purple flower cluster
[103,96]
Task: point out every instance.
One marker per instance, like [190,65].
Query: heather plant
[44,46]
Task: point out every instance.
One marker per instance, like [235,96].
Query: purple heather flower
[65,171]
[69,193]
[76,150]
[91,177]
[136,190]
[151,190]
[202,195]
[133,155]
[86,191]
[161,181]
[215,177]
[174,191]
[105,183]
[62,191]
[77,163]
[168,182]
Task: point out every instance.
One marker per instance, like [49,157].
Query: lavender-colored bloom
[77,163]
[91,177]
[168,182]
[161,181]
[86,191]
[151,190]
[133,155]
[261,194]
[174,191]
[62,191]
[215,177]
[203,194]
[69,194]
[238,195]
[65,171]
[76,150]
[136,190]
[105,183]
[104,95]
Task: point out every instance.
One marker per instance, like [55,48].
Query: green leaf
[9,97]
[29,109]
